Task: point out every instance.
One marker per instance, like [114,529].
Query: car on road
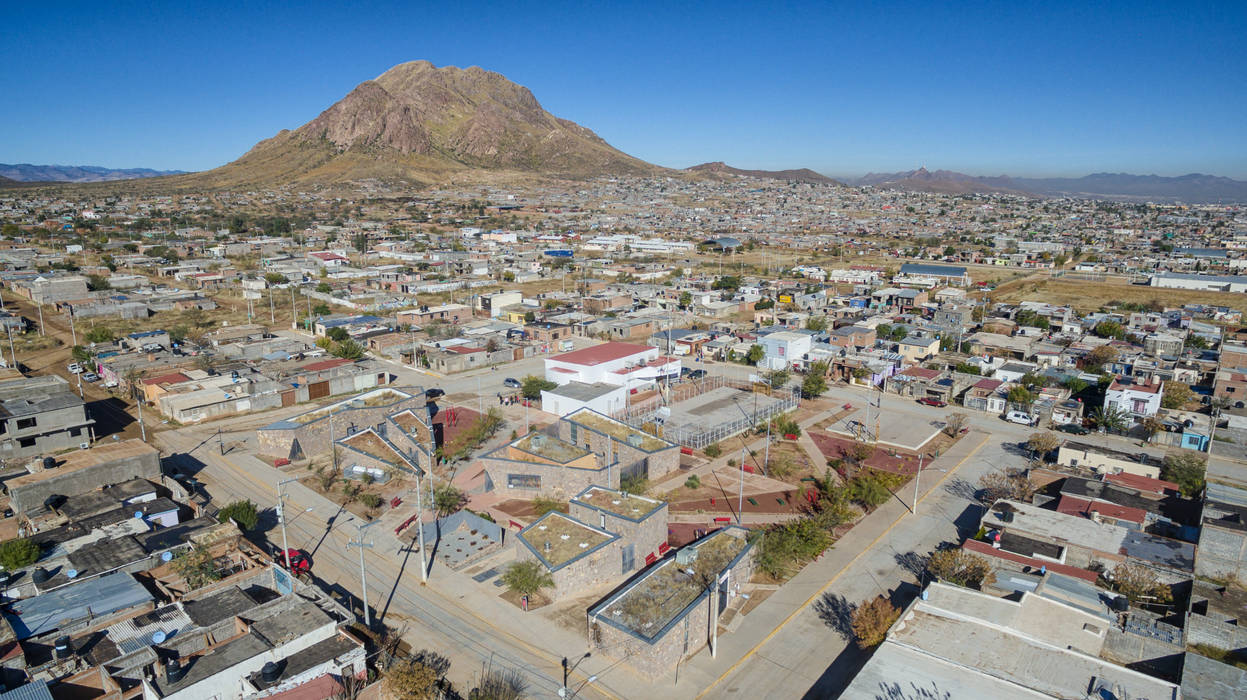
[1072,429]
[511,382]
[928,401]
[433,393]
[1019,417]
[300,562]
[90,377]
[74,368]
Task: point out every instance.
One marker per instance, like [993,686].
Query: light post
[281,518]
[363,576]
[917,478]
[740,500]
[568,667]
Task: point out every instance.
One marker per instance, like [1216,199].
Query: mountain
[421,123]
[721,169]
[1194,188]
[25,172]
[942,181]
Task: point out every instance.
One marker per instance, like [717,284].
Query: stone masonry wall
[556,480]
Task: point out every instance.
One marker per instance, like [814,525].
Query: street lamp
[363,577]
[917,478]
[281,518]
[568,667]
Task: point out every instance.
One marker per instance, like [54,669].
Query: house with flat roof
[40,415]
[1106,460]
[620,364]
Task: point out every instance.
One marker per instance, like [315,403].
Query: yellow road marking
[832,580]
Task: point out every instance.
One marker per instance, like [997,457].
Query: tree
[816,323]
[1010,483]
[337,334]
[1100,356]
[1042,443]
[410,679]
[685,299]
[1138,583]
[360,242]
[321,309]
[959,567]
[1109,329]
[872,620]
[324,288]
[1109,418]
[953,423]
[205,362]
[18,553]
[778,378]
[97,283]
[531,386]
[1150,427]
[526,577]
[99,334]
[815,382]
[196,317]
[1020,395]
[1186,468]
[868,490]
[196,567]
[275,278]
[1176,395]
[497,684]
[79,353]
[1196,342]
[242,512]
[348,349]
[1076,385]
[756,353]
[447,499]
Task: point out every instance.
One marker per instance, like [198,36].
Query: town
[664,437]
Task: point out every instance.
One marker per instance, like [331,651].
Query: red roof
[598,354]
[988,384]
[327,256]
[1120,385]
[1142,483]
[173,378]
[986,549]
[319,688]
[1071,505]
[327,364]
[464,349]
[921,372]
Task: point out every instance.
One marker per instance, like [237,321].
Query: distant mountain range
[719,168]
[25,172]
[1194,188]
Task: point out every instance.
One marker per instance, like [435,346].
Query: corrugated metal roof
[91,598]
[35,690]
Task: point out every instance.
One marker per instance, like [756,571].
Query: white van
[1021,417]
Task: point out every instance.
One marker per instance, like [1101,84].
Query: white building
[619,364]
[784,349]
[1136,400]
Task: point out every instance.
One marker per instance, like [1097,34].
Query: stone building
[313,432]
[538,464]
[578,556]
[640,522]
[663,614]
[638,453]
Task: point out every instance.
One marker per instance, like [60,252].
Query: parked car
[1019,417]
[696,374]
[511,382]
[300,562]
[90,377]
[74,368]
[1072,429]
[928,401]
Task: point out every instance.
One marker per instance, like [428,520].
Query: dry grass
[1090,296]
[619,431]
[626,505]
[565,537]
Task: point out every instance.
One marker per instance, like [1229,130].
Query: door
[629,559]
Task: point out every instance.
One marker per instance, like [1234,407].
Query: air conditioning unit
[84,445]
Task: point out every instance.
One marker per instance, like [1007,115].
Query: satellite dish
[138,515]
[72,573]
[158,637]
[166,556]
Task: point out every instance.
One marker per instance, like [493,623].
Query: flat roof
[96,597]
[550,447]
[83,459]
[558,539]
[581,391]
[625,505]
[599,354]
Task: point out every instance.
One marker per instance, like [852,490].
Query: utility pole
[714,615]
[281,518]
[294,315]
[740,499]
[917,478]
[272,312]
[424,564]
[72,330]
[363,576]
[41,333]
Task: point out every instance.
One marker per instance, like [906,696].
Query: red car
[300,562]
[928,401]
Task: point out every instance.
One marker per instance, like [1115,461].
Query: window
[75,432]
[26,442]
[23,423]
[523,481]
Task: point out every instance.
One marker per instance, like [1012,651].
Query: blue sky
[987,88]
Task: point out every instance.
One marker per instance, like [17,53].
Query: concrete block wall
[85,480]
[1222,635]
[1221,553]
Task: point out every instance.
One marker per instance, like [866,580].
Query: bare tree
[953,423]
[1013,484]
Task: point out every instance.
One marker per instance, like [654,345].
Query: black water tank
[173,671]
[1120,604]
[40,575]
[63,650]
[49,462]
[270,672]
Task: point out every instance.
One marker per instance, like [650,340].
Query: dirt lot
[1090,296]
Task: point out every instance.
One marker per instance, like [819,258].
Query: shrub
[634,484]
[370,500]
[411,679]
[1012,484]
[545,504]
[195,565]
[871,621]
[713,450]
[18,553]
[532,386]
[868,490]
[693,482]
[784,548]
[960,567]
[242,512]
[1186,469]
[526,577]
[785,425]
[1138,583]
